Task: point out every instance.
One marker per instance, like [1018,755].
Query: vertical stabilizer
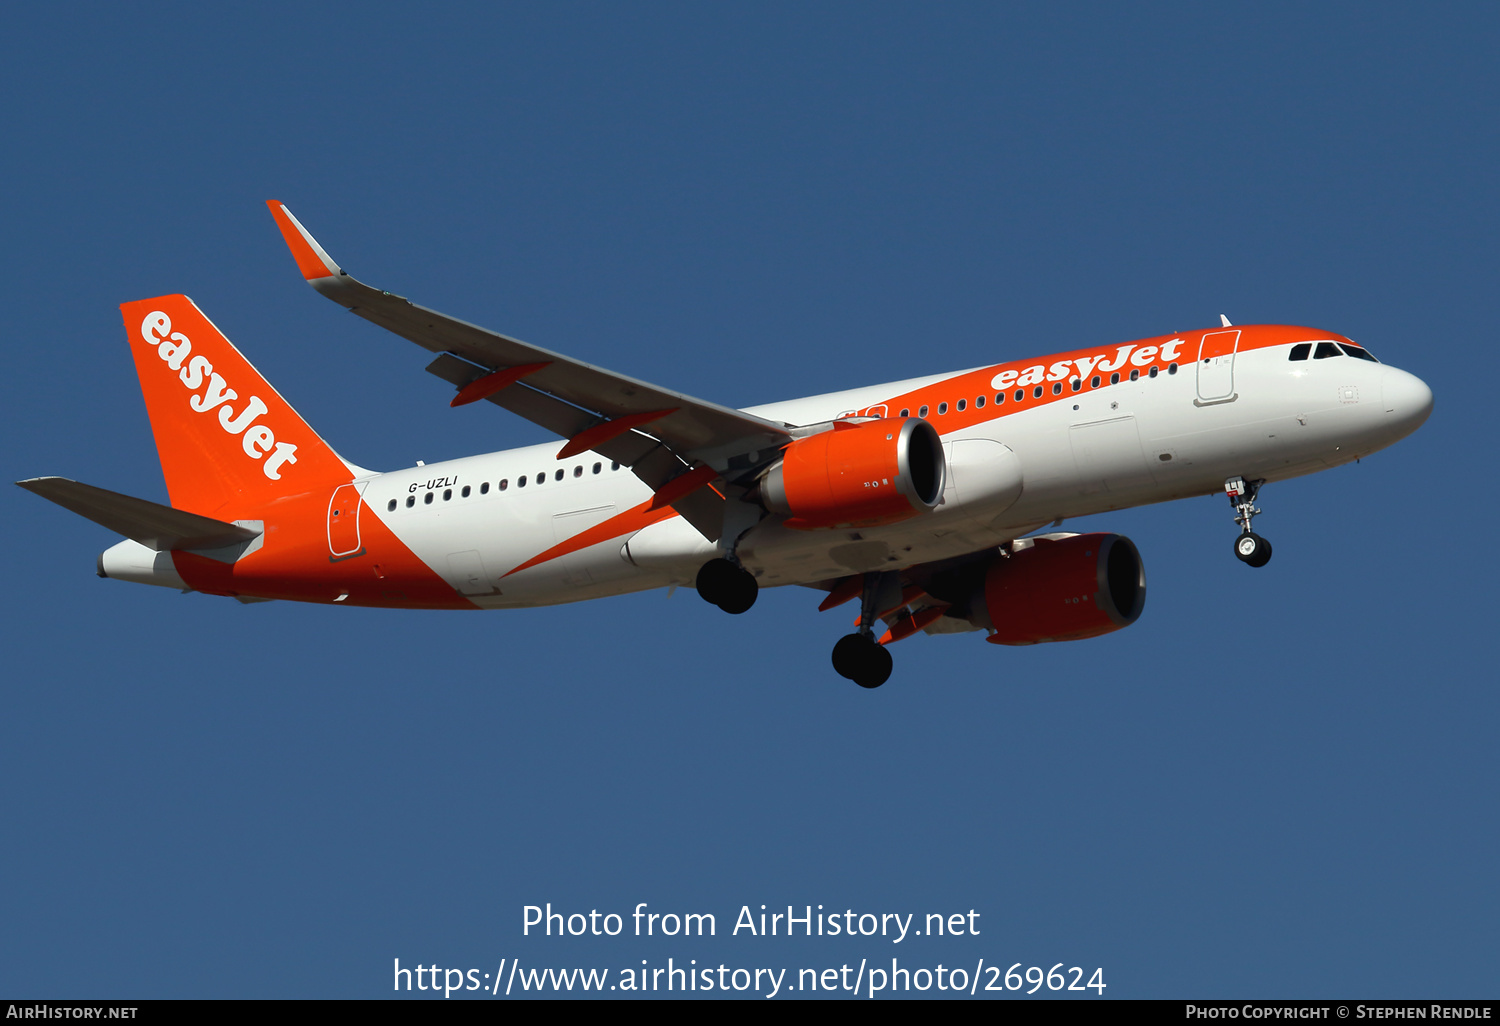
[228,442]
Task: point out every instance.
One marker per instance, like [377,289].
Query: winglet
[312,260]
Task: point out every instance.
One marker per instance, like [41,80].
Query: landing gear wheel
[860,659]
[877,669]
[731,588]
[847,654]
[1251,548]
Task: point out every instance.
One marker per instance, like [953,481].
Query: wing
[661,435]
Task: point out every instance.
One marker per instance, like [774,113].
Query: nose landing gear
[859,657]
[1249,547]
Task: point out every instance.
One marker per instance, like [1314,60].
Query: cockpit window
[1300,351]
[1325,350]
[1358,352]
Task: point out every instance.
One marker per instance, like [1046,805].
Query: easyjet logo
[1139,356]
[257,440]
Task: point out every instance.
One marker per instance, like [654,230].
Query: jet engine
[1061,588]
[858,474]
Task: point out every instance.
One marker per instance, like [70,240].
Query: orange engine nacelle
[1062,589]
[876,472]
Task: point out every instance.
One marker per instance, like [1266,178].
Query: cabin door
[343,521]
[1216,366]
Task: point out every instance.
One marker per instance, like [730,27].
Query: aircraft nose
[1406,399]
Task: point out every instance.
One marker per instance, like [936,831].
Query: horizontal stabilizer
[153,525]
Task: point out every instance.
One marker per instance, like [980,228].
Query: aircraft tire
[860,659]
[847,653]
[1252,549]
[727,586]
[741,592]
[877,668]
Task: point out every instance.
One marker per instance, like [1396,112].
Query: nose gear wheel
[1253,549]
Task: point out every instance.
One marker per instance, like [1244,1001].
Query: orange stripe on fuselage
[295,563]
[973,384]
[631,520]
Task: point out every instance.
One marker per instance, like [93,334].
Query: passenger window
[942,409]
[1020,394]
[1171,368]
[906,413]
[1095,382]
[447,494]
[559,476]
[465,493]
[1114,379]
[1036,392]
[1325,350]
[1077,384]
[578,470]
[598,467]
[615,465]
[1057,388]
[979,402]
[1152,372]
[1300,351]
[484,488]
[504,483]
[427,499]
[1135,375]
[1357,352]
[521,481]
[390,507]
[541,478]
[962,404]
[411,500]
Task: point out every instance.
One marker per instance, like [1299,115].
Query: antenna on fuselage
[1225,321]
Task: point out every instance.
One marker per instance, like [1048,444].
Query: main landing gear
[862,659]
[730,587]
[1249,547]
[859,657]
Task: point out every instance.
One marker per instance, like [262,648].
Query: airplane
[927,500]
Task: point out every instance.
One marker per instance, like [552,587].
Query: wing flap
[648,458]
[555,415]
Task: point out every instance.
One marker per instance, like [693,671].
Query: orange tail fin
[228,442]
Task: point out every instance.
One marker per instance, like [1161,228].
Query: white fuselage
[1129,444]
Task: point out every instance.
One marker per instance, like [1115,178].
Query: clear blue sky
[1278,782]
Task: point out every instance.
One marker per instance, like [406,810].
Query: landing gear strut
[732,588]
[858,656]
[1250,547]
